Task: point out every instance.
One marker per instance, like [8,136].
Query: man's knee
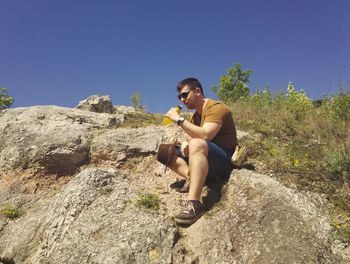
[198,145]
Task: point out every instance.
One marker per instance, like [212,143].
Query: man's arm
[208,131]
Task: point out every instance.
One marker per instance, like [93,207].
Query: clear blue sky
[59,52]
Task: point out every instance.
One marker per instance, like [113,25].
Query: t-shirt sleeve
[215,114]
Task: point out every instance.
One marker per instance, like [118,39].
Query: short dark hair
[192,83]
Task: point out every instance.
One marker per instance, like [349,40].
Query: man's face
[187,97]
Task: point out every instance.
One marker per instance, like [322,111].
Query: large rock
[94,219]
[127,142]
[97,104]
[51,137]
[261,221]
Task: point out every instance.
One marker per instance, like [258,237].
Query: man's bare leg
[198,161]
[179,166]
[193,209]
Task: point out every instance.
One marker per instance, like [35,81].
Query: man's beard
[189,106]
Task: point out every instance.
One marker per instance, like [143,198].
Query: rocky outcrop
[93,216]
[95,219]
[97,104]
[118,144]
[261,221]
[91,220]
[53,138]
[125,110]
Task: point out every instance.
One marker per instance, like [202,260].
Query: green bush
[234,85]
[6,101]
[298,103]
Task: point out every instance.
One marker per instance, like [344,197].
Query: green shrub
[6,101]
[234,85]
[298,103]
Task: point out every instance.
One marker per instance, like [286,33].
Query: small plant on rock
[10,212]
[148,200]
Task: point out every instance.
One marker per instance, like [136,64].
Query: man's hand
[184,148]
[173,114]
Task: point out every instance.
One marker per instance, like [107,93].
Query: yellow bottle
[167,121]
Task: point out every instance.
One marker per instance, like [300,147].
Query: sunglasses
[183,95]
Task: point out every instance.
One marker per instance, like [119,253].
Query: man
[212,138]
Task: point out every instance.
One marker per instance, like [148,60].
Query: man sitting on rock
[212,139]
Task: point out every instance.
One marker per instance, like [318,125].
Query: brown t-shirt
[217,112]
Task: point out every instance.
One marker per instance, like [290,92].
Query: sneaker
[178,184]
[190,213]
[185,188]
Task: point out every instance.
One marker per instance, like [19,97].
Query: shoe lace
[189,208]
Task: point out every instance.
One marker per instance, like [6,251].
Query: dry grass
[142,119]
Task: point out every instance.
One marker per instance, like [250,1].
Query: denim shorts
[219,160]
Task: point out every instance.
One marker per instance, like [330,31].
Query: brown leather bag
[164,153]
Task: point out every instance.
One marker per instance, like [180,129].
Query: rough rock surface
[97,104]
[125,110]
[126,142]
[264,222]
[91,220]
[53,138]
[92,216]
